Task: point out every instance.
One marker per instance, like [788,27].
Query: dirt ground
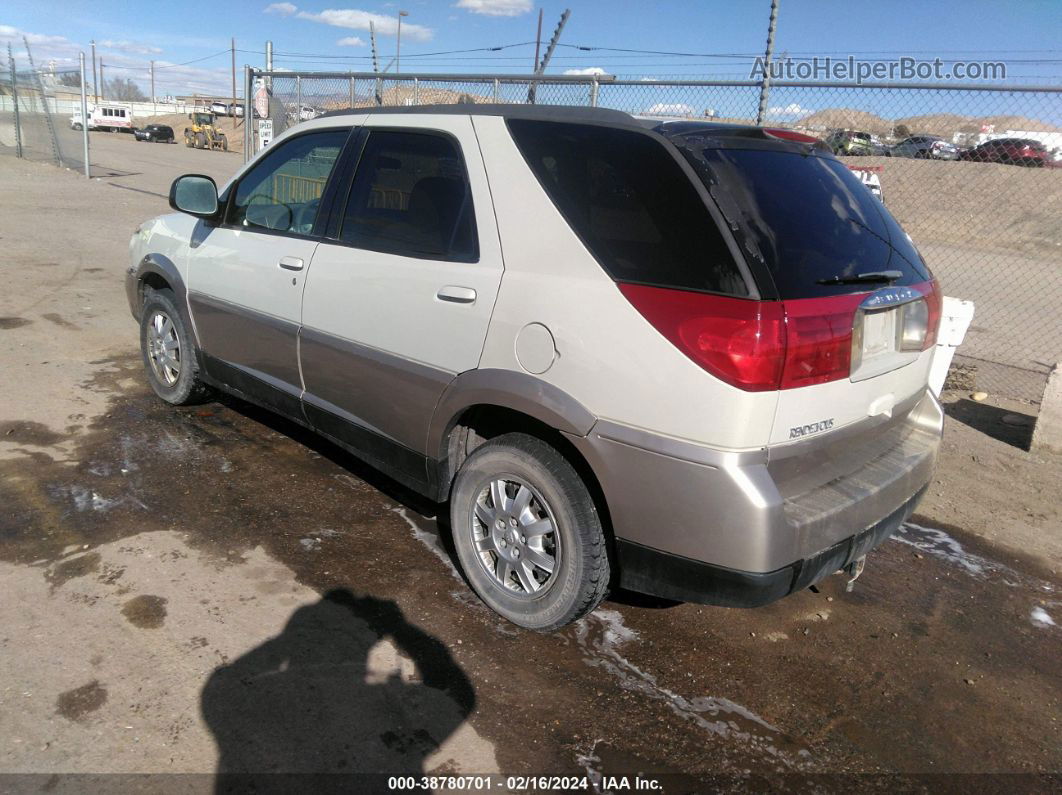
[212,589]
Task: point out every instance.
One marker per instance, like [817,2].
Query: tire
[200,141]
[160,327]
[502,561]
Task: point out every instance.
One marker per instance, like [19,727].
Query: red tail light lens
[740,341]
[819,340]
[755,345]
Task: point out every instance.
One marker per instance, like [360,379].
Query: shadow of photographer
[335,693]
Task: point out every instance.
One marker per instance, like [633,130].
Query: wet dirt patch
[145,611]
[77,703]
[59,320]
[80,566]
[28,432]
[13,322]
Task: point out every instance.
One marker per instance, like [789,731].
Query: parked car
[305,113]
[850,142]
[925,146]
[155,132]
[219,108]
[1011,151]
[616,352]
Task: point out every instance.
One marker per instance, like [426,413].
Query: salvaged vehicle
[682,358]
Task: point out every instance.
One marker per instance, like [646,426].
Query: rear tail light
[754,345]
[912,330]
[819,339]
[740,341]
[768,345]
[934,305]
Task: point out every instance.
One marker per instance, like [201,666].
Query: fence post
[593,93]
[248,113]
[416,91]
[497,84]
[84,116]
[352,92]
[14,100]
[298,98]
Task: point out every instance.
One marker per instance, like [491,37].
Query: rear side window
[411,197]
[811,219]
[631,204]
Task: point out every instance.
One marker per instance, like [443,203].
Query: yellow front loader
[203,134]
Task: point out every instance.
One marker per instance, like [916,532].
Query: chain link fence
[32,123]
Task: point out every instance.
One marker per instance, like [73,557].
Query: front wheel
[167,351]
[528,534]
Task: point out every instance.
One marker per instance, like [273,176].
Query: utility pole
[531,91]
[154,106]
[95,85]
[398,44]
[538,41]
[766,85]
[102,90]
[234,77]
[375,61]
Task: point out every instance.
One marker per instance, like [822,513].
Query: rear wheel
[167,351]
[528,534]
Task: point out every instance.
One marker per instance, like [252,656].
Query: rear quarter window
[632,205]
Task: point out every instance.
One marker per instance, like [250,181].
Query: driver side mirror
[195,194]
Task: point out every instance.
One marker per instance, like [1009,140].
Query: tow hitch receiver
[854,569]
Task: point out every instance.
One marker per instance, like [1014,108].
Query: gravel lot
[211,589]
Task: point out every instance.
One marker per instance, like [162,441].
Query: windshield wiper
[877,277]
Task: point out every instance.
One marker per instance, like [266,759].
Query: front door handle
[292,263]
[456,295]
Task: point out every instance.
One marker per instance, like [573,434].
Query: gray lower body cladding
[761,512]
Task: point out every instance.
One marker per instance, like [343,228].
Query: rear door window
[811,219]
[631,204]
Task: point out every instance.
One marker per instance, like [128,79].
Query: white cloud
[359,20]
[792,109]
[284,9]
[590,70]
[495,8]
[136,48]
[351,41]
[669,109]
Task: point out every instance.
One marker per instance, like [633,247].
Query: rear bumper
[673,577]
[765,521]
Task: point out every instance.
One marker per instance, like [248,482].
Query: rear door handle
[456,295]
[292,263]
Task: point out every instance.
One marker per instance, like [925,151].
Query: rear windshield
[809,219]
[632,205]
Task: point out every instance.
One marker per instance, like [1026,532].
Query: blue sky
[332,34]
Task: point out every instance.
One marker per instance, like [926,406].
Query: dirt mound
[846,118]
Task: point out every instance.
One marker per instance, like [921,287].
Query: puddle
[943,546]
[75,704]
[28,432]
[80,566]
[146,612]
[603,633]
